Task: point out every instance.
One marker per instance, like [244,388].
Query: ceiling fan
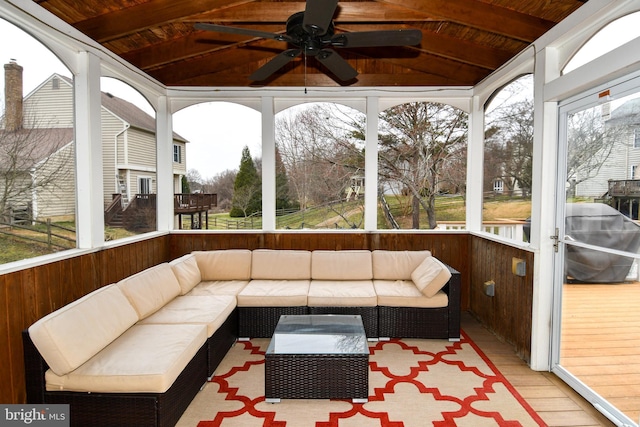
[312,33]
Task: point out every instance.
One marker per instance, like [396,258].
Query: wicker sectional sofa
[136,352]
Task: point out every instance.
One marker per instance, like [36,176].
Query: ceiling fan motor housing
[308,39]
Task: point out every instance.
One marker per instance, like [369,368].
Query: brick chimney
[12,96]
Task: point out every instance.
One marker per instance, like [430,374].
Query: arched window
[224,158]
[129,160]
[508,160]
[37,150]
[607,39]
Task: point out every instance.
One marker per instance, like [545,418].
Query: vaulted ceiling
[463,41]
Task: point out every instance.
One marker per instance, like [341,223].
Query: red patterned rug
[412,383]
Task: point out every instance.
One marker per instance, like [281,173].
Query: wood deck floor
[601,341]
[555,402]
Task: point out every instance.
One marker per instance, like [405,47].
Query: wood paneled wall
[29,294]
[508,313]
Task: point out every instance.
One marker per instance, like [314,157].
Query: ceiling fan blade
[336,64]
[243,31]
[318,15]
[274,65]
[377,38]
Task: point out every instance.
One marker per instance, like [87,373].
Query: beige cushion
[274,293]
[229,264]
[348,293]
[219,287]
[430,276]
[403,293]
[145,359]
[70,336]
[207,310]
[396,265]
[341,265]
[150,289]
[280,264]
[187,272]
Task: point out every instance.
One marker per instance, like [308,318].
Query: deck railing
[509,229]
[624,187]
[196,202]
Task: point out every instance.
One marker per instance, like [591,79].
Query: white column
[164,165]
[268,165]
[88,150]
[371,166]
[475,161]
[545,142]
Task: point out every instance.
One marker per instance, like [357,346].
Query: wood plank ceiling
[463,41]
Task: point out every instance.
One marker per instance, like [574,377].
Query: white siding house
[128,141]
[620,134]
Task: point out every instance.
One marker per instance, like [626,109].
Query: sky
[216,131]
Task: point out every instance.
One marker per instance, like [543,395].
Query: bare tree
[222,185]
[195,180]
[321,157]
[509,148]
[35,163]
[590,144]
[417,140]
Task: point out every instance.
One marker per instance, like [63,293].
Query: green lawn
[448,208]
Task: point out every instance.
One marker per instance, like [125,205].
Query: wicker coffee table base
[316,376]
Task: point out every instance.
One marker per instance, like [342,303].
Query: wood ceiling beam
[481,15]
[346,12]
[322,80]
[424,63]
[149,14]
[194,44]
[219,60]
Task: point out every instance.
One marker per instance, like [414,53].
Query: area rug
[412,383]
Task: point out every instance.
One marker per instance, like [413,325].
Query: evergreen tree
[283,199]
[185,185]
[247,194]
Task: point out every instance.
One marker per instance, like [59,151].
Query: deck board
[601,341]
[556,403]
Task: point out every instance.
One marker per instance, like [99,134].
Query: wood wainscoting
[508,313]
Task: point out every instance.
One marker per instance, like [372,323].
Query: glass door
[596,346]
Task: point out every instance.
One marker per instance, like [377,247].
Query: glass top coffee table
[318,356]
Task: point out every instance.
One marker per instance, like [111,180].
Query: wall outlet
[518,267]
[489,288]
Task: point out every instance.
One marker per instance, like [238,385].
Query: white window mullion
[88,150]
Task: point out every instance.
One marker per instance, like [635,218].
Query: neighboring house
[128,145]
[622,163]
[617,179]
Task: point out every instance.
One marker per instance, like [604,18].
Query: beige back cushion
[150,289]
[228,264]
[396,265]
[70,336]
[280,264]
[341,265]
[187,272]
[430,276]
